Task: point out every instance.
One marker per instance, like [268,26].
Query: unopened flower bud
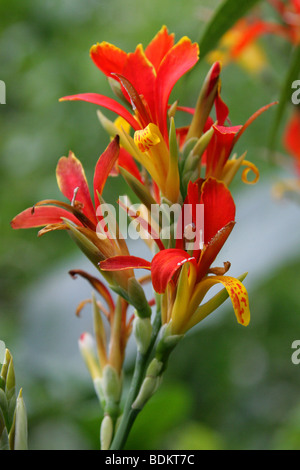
[87,349]
[147,389]
[138,299]
[106,432]
[111,384]
[142,329]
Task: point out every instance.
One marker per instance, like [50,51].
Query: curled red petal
[108,58]
[165,265]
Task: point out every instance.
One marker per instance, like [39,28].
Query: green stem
[130,414]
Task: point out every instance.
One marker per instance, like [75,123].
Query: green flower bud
[138,299]
[106,432]
[147,389]
[111,384]
[142,329]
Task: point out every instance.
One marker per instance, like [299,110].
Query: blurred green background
[226,387]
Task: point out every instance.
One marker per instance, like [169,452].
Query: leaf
[226,15]
[285,95]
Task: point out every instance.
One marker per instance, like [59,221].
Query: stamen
[74,196]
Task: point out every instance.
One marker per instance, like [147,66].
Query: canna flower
[144,79]
[183,275]
[82,218]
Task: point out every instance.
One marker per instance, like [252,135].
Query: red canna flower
[181,274]
[145,78]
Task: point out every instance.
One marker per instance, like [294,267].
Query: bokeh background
[226,387]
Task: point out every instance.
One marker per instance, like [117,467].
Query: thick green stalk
[130,414]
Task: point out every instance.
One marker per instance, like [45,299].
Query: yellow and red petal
[166,264]
[219,207]
[159,46]
[238,295]
[104,166]
[178,60]
[72,182]
[105,102]
[108,58]
[40,216]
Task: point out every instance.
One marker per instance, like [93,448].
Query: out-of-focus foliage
[226,387]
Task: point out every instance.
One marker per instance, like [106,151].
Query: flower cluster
[191,166]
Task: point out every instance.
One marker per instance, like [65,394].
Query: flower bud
[111,384]
[106,432]
[138,299]
[142,330]
[147,389]
[87,349]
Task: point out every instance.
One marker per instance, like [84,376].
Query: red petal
[40,216]
[165,264]
[105,102]
[70,176]
[120,263]
[219,207]
[104,166]
[108,58]
[180,58]
[159,46]
[219,148]
[140,73]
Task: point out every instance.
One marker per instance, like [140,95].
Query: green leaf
[226,15]
[285,95]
